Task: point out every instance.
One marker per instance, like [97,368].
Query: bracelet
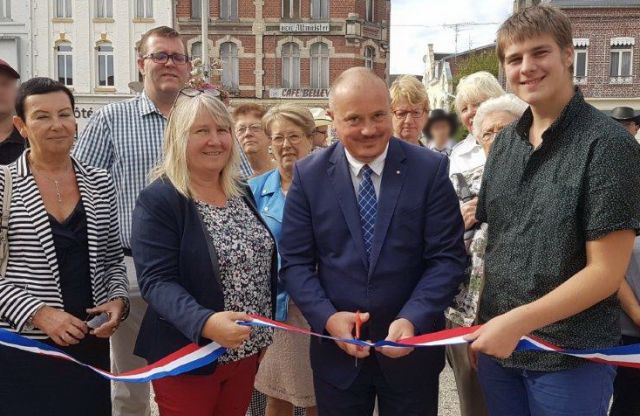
[127,306]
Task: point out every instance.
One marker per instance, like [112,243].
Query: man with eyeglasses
[252,137]
[125,138]
[410,107]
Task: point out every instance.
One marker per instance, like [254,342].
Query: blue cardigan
[177,270]
[267,192]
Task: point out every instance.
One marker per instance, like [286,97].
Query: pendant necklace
[55,182]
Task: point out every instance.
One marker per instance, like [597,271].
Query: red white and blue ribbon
[193,356]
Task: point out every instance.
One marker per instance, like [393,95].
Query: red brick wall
[599,26]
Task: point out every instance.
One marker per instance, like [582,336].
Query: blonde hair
[300,116]
[173,164]
[408,88]
[476,88]
[531,22]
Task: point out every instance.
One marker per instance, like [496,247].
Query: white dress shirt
[377,166]
[466,155]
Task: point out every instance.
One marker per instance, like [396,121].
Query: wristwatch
[29,326]
[127,306]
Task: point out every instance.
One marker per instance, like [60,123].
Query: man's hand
[399,329]
[468,210]
[341,325]
[221,327]
[63,328]
[114,309]
[500,336]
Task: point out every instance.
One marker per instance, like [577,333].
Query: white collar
[377,165]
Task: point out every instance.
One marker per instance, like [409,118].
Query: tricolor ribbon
[193,356]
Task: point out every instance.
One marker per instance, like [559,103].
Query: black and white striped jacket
[32,277]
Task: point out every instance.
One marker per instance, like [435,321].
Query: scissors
[358,326]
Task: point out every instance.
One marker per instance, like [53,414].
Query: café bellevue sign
[304,93]
[304,27]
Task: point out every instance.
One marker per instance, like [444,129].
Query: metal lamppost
[204,22]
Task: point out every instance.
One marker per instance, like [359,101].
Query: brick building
[277,50]
[607,58]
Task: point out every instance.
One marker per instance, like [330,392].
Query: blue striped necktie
[368,206]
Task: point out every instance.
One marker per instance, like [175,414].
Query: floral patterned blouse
[464,311]
[244,248]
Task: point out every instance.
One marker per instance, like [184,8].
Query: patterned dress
[464,311]
[244,249]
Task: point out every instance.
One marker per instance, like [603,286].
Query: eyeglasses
[291,138]
[193,92]
[253,128]
[163,58]
[402,114]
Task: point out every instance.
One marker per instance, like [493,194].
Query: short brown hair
[160,31]
[534,21]
[251,108]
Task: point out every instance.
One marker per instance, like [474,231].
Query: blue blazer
[267,192]
[417,259]
[177,270]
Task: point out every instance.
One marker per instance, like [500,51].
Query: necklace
[56,182]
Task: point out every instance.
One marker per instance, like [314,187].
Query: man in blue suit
[372,224]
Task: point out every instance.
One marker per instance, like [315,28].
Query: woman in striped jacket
[65,264]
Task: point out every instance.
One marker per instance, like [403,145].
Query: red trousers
[226,392]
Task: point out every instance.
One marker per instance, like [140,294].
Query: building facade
[288,50]
[89,45]
[15,35]
[607,50]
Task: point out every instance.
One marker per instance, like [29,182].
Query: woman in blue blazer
[204,259]
[285,373]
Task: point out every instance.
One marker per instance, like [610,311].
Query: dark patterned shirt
[244,249]
[542,206]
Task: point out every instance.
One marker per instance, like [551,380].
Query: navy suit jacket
[177,270]
[417,257]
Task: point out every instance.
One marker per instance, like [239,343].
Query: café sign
[300,93]
[304,27]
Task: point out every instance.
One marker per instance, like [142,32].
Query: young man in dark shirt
[560,195]
[11,143]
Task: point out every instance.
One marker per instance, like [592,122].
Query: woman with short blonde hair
[285,373]
[410,107]
[205,259]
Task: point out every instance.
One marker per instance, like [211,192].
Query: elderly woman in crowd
[410,107]
[285,373]
[491,117]
[205,259]
[252,137]
[65,263]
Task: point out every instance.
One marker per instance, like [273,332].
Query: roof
[569,4]
[490,47]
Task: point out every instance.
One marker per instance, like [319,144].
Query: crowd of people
[174,217]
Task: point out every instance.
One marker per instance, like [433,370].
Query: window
[369,56]
[319,9]
[5,9]
[291,9]
[144,9]
[229,9]
[196,9]
[580,65]
[230,68]
[104,8]
[319,65]
[369,10]
[105,65]
[63,9]
[196,50]
[620,62]
[64,63]
[290,65]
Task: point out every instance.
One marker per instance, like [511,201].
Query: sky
[416,23]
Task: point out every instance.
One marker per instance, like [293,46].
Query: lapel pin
[397,172]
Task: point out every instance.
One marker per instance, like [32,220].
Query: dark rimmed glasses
[163,58]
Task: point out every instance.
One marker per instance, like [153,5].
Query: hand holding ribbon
[341,325]
[399,329]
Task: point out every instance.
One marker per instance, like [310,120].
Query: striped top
[33,278]
[125,138]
